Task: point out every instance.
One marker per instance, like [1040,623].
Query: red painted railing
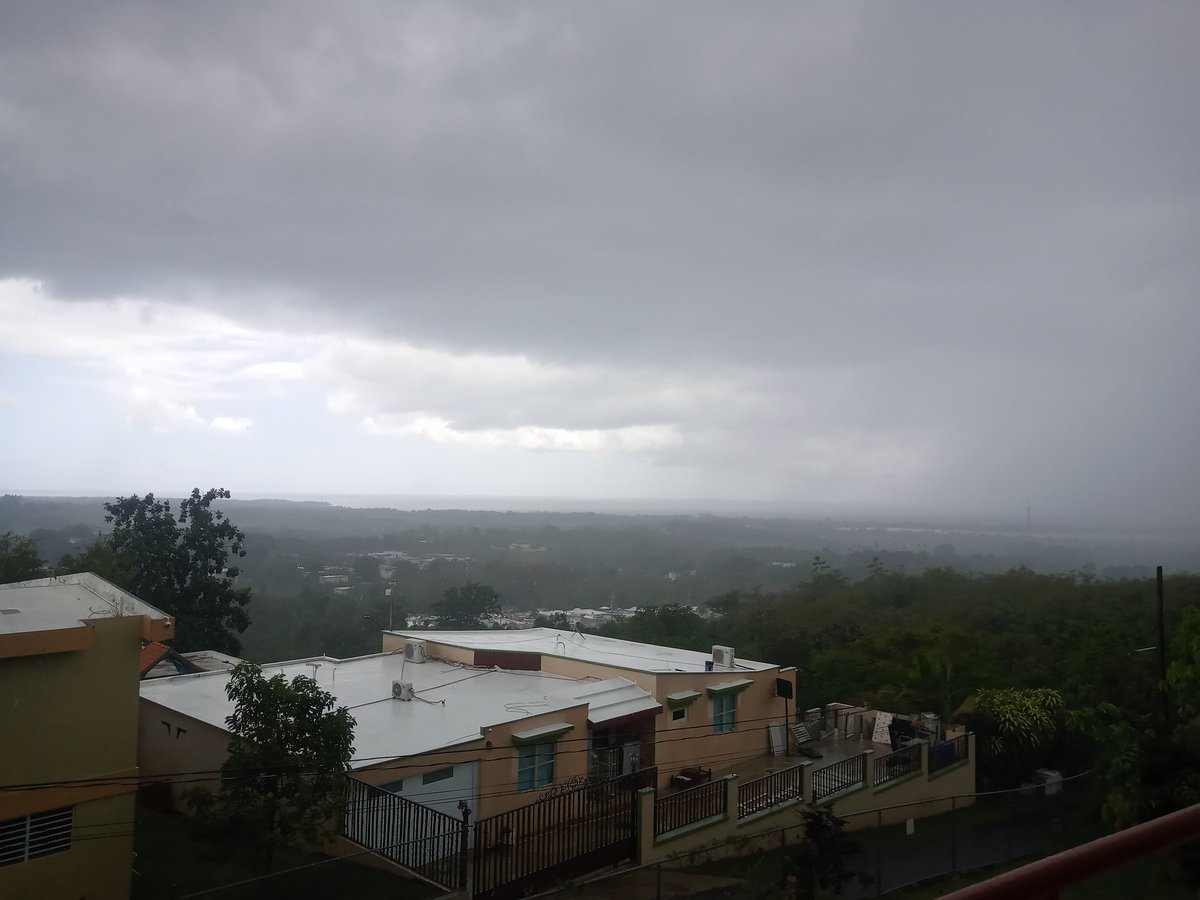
[1042,880]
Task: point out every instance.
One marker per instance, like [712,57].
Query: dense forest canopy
[1048,666]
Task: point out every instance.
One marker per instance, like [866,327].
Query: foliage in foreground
[283,783]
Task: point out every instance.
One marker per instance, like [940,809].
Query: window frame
[724,713]
[535,765]
[37,835]
[437,775]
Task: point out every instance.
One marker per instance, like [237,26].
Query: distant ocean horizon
[539,503]
[928,519]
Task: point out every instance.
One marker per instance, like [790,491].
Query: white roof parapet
[64,601]
[593,648]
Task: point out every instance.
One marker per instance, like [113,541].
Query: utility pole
[1162,651]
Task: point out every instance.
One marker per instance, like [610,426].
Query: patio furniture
[690,776]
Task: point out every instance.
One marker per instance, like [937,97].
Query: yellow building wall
[70,717]
[97,867]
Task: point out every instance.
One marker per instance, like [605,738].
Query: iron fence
[838,776]
[947,753]
[562,834]
[424,840]
[893,848]
[897,764]
[693,805]
[770,790]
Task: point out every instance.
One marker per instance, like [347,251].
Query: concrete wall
[70,716]
[170,743]
[433,649]
[496,756]
[693,743]
[577,668]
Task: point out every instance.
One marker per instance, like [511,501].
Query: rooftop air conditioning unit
[414,650]
[402,690]
[722,657]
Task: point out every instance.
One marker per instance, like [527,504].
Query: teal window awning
[544,735]
[682,699]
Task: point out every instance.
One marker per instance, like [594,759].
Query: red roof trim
[152,654]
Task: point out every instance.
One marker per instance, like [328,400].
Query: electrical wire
[457,793]
[441,753]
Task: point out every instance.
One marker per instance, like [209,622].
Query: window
[439,775]
[679,715]
[724,713]
[35,835]
[535,766]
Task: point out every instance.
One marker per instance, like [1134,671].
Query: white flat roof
[592,648]
[387,728]
[67,601]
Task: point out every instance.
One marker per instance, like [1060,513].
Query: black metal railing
[897,764]
[838,776]
[605,762]
[429,842]
[947,753]
[693,805]
[770,790]
[563,834]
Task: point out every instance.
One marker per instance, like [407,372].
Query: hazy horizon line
[726,507]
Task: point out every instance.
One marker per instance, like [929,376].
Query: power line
[454,794]
[107,780]
[457,793]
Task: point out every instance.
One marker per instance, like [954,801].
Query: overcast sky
[943,255]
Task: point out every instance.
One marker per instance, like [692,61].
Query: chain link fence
[923,842]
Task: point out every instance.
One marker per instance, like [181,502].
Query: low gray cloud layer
[942,250]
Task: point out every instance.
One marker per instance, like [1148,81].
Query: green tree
[366,568]
[283,784]
[20,559]
[1014,727]
[98,557]
[818,864]
[468,606]
[180,564]
[931,684]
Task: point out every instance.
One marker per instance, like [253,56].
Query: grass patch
[170,864]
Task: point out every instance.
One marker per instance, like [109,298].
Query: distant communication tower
[1028,518]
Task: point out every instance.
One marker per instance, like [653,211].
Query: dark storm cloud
[966,231]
